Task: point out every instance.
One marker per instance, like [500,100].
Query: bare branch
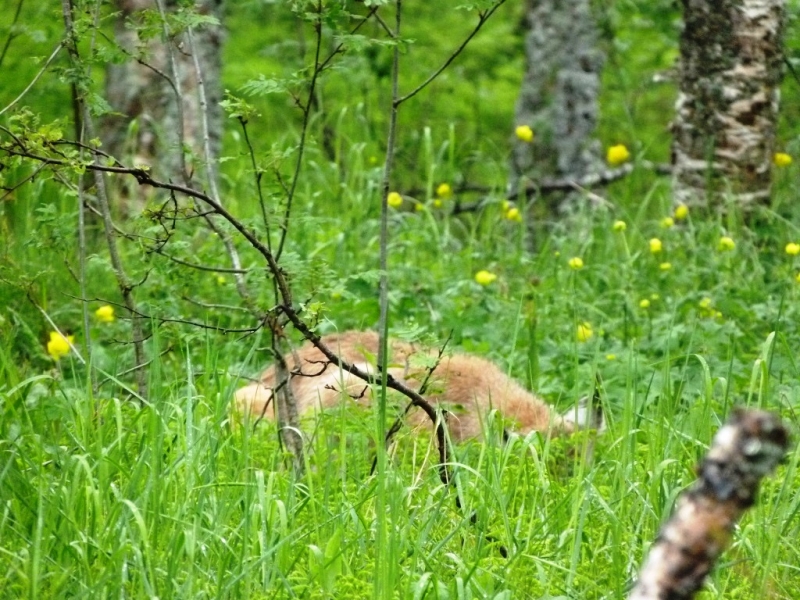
[746,449]
[306,108]
[35,78]
[484,16]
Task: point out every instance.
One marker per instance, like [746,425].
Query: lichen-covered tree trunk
[724,127]
[559,95]
[148,129]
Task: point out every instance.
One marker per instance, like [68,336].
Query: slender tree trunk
[559,95]
[724,127]
[141,90]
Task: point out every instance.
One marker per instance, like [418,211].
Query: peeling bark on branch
[746,449]
[724,127]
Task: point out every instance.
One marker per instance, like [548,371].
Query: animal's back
[316,382]
[466,386]
[469,387]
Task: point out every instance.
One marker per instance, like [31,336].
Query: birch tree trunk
[139,89]
[559,95]
[724,127]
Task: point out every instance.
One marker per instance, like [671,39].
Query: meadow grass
[101,497]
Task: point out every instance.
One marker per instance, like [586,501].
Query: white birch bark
[727,107]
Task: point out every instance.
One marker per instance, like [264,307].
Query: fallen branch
[746,449]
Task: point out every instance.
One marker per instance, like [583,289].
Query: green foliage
[100,496]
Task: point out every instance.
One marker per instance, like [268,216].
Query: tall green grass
[102,497]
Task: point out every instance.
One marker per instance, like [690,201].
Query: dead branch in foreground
[748,447]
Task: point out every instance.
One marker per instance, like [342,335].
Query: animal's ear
[588,414]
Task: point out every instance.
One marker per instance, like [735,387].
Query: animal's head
[587,414]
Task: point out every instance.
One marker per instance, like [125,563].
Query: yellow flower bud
[665,266]
[58,346]
[681,212]
[792,249]
[645,304]
[513,214]
[584,332]
[781,159]
[726,244]
[575,263]
[444,191]
[105,314]
[619,226]
[667,222]
[616,155]
[485,277]
[656,246]
[611,357]
[394,200]
[524,133]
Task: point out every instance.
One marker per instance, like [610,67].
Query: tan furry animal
[468,387]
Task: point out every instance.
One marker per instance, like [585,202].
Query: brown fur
[467,386]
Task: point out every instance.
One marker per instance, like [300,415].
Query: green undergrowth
[103,498]
[681,319]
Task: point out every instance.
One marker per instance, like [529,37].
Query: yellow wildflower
[584,332]
[444,191]
[485,277]
[617,155]
[524,133]
[726,244]
[681,212]
[619,226]
[645,304]
[781,159]
[221,280]
[58,346]
[665,266]
[419,207]
[105,314]
[611,357]
[656,246]
[576,263]
[394,200]
[505,205]
[437,203]
[705,303]
[792,249]
[667,222]
[513,214]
